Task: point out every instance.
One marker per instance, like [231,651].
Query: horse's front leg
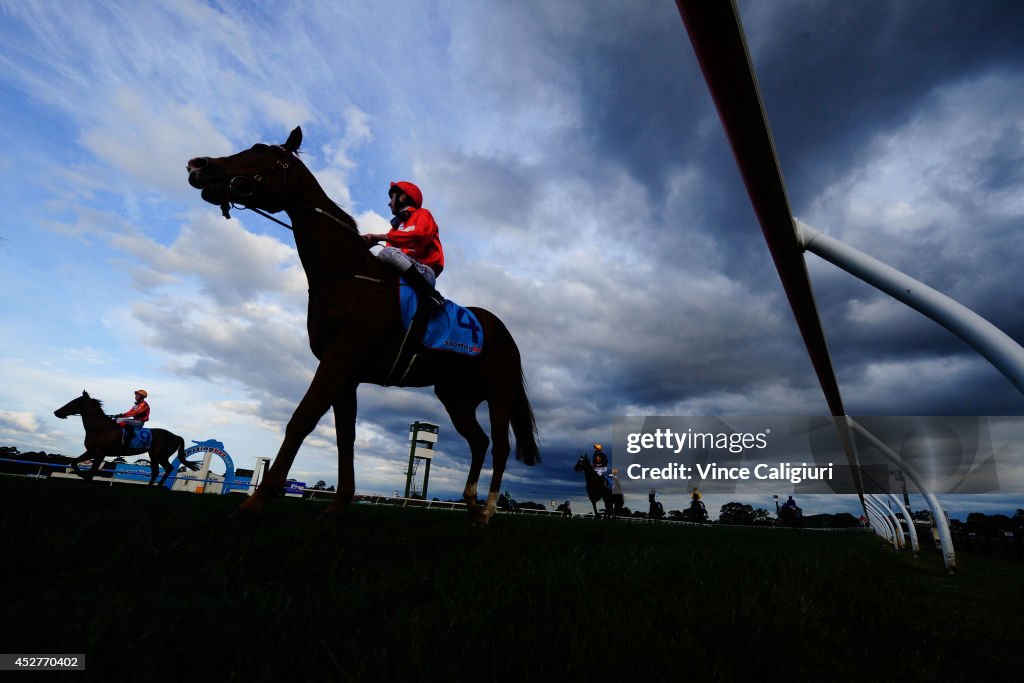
[345,426]
[97,462]
[74,466]
[333,371]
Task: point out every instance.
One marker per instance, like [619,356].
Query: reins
[241,187]
[242,207]
[231,205]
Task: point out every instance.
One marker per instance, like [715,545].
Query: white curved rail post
[911,531]
[881,526]
[901,539]
[938,515]
[897,533]
[991,342]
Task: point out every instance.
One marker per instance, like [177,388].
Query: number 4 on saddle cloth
[452,328]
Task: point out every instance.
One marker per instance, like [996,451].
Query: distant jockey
[413,244]
[695,500]
[697,505]
[137,415]
[618,501]
[791,504]
[599,460]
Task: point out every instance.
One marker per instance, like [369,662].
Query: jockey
[696,504]
[413,245]
[617,498]
[791,504]
[599,460]
[137,415]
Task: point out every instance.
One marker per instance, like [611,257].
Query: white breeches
[402,262]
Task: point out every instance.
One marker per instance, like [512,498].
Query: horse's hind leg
[462,411]
[500,448]
[155,462]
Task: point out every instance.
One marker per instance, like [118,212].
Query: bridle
[242,187]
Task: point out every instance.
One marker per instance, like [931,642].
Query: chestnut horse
[103,440]
[355,329]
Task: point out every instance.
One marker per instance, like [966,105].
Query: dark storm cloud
[831,74]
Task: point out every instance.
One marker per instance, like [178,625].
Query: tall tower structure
[422,437]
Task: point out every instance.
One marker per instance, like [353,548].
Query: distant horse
[597,486]
[790,516]
[103,439]
[356,332]
[697,512]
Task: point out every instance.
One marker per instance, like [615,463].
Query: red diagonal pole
[718,40]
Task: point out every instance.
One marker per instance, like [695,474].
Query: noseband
[242,187]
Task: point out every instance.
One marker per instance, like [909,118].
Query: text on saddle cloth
[453,328]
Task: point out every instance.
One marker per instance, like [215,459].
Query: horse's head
[581,464]
[74,406]
[262,176]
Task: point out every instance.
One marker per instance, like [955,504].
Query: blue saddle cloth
[453,328]
[142,438]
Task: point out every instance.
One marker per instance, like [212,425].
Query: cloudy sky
[585,191]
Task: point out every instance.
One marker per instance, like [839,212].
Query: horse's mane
[345,216]
[98,402]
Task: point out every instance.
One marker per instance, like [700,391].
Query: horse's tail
[524,426]
[507,364]
[181,455]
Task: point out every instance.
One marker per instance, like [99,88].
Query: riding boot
[429,300]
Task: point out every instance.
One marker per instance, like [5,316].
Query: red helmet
[409,190]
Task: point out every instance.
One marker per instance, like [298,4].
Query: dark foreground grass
[157,586]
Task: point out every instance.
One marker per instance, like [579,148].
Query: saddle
[136,438]
[451,328]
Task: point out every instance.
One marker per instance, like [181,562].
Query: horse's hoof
[479,518]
